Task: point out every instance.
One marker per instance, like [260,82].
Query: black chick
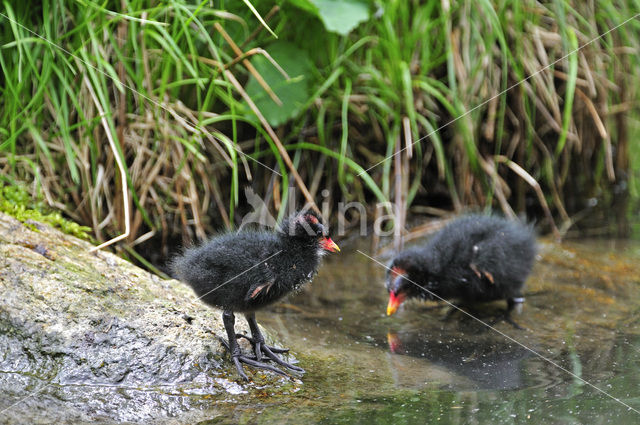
[474,258]
[245,271]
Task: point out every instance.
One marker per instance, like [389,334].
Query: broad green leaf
[342,16]
[293,93]
[339,16]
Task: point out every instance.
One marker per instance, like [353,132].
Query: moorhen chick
[248,270]
[474,258]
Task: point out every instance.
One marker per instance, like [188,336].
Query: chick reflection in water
[458,362]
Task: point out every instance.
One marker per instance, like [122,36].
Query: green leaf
[570,90]
[306,5]
[293,93]
[339,16]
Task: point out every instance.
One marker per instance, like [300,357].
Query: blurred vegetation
[202,100]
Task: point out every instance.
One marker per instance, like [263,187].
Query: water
[581,315]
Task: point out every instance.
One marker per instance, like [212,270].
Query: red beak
[394,302]
[329,245]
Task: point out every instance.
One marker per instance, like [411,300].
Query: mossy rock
[89,336]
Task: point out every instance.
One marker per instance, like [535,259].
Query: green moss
[16,201]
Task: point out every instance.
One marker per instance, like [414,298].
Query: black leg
[260,348]
[234,349]
[514,304]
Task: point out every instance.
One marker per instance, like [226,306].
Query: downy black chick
[474,258]
[248,270]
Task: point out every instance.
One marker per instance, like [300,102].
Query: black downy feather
[474,258]
[247,270]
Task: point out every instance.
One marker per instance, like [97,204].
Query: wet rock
[90,336]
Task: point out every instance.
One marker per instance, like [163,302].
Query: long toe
[256,343]
[239,368]
[260,348]
[271,355]
[507,318]
[276,349]
[257,348]
[513,323]
[262,344]
[250,361]
[225,343]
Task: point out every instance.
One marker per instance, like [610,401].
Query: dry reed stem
[535,185]
[283,152]
[248,64]
[123,174]
[603,133]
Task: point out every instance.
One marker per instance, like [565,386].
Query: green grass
[412,71]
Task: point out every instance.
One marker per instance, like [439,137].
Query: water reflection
[493,365]
[581,313]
